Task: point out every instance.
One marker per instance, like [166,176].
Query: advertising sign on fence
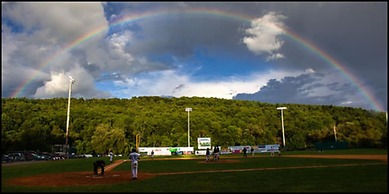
[204,143]
[166,151]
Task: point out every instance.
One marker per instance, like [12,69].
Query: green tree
[106,137]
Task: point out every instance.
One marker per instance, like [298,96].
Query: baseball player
[216,153]
[207,154]
[110,155]
[134,157]
[97,164]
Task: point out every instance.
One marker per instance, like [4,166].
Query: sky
[318,53]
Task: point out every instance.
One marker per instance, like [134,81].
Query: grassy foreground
[275,175]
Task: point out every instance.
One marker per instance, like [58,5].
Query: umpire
[97,164]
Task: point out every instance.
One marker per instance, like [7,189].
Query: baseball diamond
[112,177]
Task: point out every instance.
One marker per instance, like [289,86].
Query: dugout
[331,145]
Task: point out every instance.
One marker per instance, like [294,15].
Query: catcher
[98,164]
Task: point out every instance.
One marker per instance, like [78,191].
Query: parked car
[15,157]
[37,157]
[28,155]
[46,156]
[5,158]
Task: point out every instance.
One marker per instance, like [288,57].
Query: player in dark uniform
[207,154]
[97,164]
[244,152]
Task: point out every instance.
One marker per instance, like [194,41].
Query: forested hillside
[101,124]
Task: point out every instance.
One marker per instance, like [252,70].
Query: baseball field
[363,170]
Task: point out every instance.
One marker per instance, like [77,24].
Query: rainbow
[366,92]
[375,104]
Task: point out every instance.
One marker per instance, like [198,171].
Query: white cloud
[171,83]
[263,35]
[310,70]
[275,57]
[58,85]
[117,42]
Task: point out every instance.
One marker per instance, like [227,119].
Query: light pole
[71,82]
[282,121]
[188,110]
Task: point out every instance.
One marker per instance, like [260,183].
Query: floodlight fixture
[71,79]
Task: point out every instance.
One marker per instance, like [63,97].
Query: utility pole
[71,82]
[188,110]
[282,121]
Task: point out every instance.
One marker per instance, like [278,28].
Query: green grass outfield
[261,173]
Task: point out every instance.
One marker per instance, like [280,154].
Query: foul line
[118,162]
[111,166]
[258,169]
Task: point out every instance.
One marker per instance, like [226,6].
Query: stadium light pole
[282,121]
[188,110]
[71,82]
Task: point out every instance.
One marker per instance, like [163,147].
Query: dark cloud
[302,89]
[179,35]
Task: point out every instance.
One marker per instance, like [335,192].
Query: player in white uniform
[134,157]
[110,156]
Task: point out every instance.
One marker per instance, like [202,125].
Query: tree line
[102,124]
